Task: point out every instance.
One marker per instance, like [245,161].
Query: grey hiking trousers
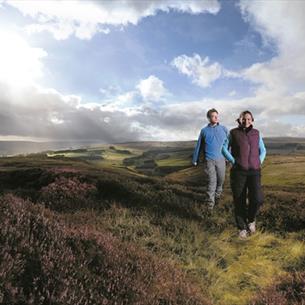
[215,171]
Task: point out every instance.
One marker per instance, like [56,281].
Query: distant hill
[280,145]
[285,139]
[25,147]
[276,145]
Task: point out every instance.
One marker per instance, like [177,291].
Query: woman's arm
[262,150]
[225,149]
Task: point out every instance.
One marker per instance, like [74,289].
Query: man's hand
[229,163]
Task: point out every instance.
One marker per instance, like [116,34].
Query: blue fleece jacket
[210,141]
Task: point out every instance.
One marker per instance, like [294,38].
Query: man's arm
[262,150]
[225,149]
[197,149]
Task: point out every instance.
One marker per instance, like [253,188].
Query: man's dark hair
[243,113]
[211,111]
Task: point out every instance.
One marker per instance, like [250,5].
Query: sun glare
[20,64]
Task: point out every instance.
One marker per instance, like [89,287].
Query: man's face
[213,118]
[246,120]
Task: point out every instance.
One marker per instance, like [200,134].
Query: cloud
[152,89]
[86,18]
[44,113]
[201,71]
[281,24]
[149,91]
[281,80]
[33,111]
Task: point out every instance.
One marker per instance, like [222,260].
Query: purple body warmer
[245,147]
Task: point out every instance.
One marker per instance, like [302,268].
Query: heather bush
[290,290]
[36,266]
[63,189]
[67,193]
[25,181]
[44,262]
[158,196]
[283,212]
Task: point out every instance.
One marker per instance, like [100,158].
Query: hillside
[118,230]
[276,145]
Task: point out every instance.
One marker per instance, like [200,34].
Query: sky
[132,70]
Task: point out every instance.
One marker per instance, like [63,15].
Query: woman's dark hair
[211,111]
[243,113]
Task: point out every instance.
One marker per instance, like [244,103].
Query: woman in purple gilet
[245,150]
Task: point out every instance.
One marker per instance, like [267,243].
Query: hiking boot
[243,234]
[252,228]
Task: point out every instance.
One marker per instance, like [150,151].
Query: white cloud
[126,98]
[86,18]
[123,101]
[283,24]
[62,30]
[152,89]
[147,92]
[202,72]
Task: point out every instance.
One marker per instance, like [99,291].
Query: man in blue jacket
[210,141]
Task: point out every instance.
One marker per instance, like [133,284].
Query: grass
[110,155]
[284,170]
[228,270]
[173,162]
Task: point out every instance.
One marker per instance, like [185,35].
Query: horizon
[92,141]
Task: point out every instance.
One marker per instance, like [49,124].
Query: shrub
[66,193]
[290,290]
[36,266]
[283,212]
[44,262]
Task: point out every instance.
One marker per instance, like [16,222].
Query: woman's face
[246,120]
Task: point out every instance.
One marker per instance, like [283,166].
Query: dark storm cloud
[35,113]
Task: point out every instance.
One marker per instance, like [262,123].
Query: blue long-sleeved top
[227,154]
[210,140]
